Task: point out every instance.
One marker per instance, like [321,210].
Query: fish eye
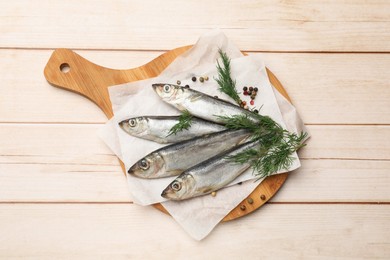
[144,164]
[176,186]
[167,88]
[132,122]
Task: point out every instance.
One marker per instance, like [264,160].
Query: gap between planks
[165,50]
[270,202]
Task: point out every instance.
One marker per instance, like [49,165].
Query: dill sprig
[276,144]
[267,160]
[185,121]
[263,128]
[226,84]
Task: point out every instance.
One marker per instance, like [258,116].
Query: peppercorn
[213,193]
[245,88]
[201,79]
[256,89]
[178,82]
[245,93]
[187,86]
[252,97]
[216,96]
[243,103]
[193,79]
[206,78]
[250,88]
[256,111]
[252,102]
[246,107]
[262,197]
[243,207]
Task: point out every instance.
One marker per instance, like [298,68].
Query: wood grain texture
[50,155]
[327,79]
[92,81]
[129,231]
[146,25]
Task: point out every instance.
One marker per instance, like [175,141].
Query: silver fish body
[199,104]
[173,159]
[208,176]
[156,128]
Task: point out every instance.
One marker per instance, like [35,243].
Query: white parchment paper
[198,216]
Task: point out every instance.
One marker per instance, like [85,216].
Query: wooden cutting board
[68,70]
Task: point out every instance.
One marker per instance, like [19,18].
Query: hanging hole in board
[64,67]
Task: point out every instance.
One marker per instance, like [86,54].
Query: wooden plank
[130,231]
[341,181]
[268,25]
[348,142]
[79,144]
[62,182]
[326,90]
[56,144]
[359,181]
[317,91]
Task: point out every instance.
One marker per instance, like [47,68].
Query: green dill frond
[226,84]
[267,160]
[265,129]
[276,145]
[185,121]
[275,159]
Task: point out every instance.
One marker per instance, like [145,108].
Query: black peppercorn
[245,88]
[187,86]
[256,89]
[193,79]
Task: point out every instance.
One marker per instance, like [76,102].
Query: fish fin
[180,107]
[207,190]
[244,140]
[196,97]
[174,172]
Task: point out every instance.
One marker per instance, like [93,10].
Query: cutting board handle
[68,70]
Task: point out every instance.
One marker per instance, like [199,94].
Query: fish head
[148,167]
[169,92]
[135,125]
[181,188]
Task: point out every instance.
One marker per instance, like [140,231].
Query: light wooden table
[62,192]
